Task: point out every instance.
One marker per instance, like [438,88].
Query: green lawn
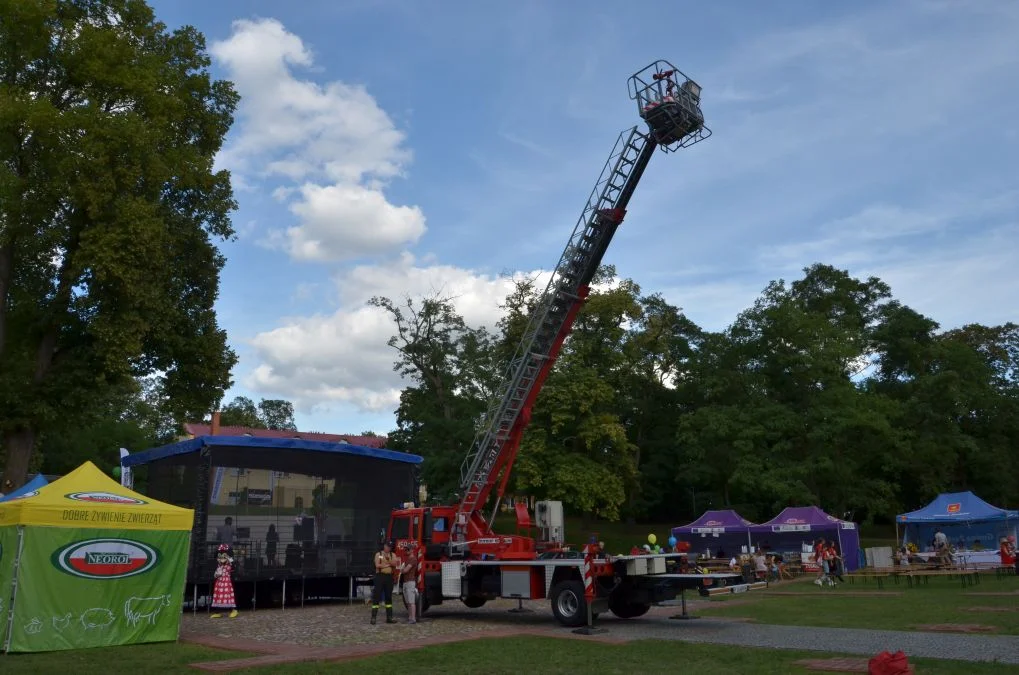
[135,659]
[493,657]
[897,607]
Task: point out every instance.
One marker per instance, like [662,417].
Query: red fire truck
[460,555]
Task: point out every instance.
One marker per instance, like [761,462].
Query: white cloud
[343,357]
[332,143]
[341,221]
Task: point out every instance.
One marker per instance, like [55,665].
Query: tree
[277,414]
[122,418]
[577,449]
[108,210]
[451,367]
[241,412]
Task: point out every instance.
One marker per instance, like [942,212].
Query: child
[223,589]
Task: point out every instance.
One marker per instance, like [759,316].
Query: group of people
[828,559]
[765,566]
[389,570]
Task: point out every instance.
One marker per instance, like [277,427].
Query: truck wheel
[629,610]
[474,601]
[568,604]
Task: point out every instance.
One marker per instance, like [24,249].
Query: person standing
[382,590]
[409,574]
[271,541]
[223,589]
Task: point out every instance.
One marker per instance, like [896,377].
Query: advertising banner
[84,587]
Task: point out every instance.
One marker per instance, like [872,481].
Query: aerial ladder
[669,103]
[459,554]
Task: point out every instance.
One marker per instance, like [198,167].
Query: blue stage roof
[196,444]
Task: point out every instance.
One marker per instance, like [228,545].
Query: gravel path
[1001,648]
[337,625]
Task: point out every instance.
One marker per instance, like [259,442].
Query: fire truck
[460,556]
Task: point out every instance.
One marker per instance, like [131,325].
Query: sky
[406,149]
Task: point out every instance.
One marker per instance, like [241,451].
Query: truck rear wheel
[568,604]
[474,601]
[628,610]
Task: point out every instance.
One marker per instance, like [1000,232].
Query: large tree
[277,414]
[109,205]
[452,372]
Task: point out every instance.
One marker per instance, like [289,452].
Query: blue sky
[393,148]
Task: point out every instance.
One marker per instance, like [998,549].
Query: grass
[897,607]
[166,657]
[491,656]
[552,656]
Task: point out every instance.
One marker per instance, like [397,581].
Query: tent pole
[284,594]
[14,588]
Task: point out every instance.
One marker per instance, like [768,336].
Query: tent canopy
[957,508]
[715,522]
[28,488]
[726,531]
[97,565]
[87,497]
[802,519]
[798,524]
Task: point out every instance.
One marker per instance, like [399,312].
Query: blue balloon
[672,541]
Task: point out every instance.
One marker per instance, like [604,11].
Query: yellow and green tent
[86,562]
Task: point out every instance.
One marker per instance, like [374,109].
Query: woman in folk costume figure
[223,589]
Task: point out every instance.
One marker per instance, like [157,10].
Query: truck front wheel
[568,604]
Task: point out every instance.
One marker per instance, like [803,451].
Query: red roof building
[195,430]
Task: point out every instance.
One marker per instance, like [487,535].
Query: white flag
[125,472]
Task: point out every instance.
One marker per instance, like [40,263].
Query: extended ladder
[577,265]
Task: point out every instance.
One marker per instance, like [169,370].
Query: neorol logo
[103,498]
[106,558]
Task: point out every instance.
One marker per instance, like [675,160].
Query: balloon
[116,472]
[651,539]
[672,541]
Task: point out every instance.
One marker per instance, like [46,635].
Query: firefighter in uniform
[382,590]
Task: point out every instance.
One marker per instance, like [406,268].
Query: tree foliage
[277,414]
[109,208]
[827,391]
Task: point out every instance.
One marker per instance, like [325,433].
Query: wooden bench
[1000,571]
[968,577]
[878,574]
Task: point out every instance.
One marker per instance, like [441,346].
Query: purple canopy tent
[805,523]
[723,527]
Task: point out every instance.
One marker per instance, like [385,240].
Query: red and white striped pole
[589,584]
[421,579]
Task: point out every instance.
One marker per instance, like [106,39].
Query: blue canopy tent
[27,489]
[964,518]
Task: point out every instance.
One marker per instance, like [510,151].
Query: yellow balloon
[651,539]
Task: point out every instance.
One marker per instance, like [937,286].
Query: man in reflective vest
[382,590]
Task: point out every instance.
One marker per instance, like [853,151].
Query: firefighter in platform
[382,590]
